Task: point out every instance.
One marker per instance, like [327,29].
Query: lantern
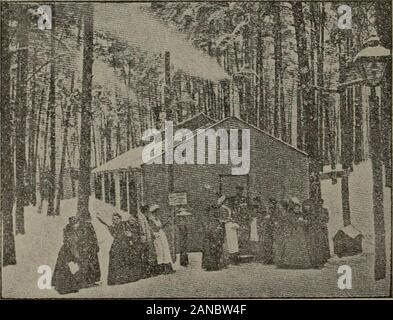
[371,61]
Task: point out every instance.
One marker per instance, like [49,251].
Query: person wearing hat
[161,244]
[296,254]
[124,259]
[182,222]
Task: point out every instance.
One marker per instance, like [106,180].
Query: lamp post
[371,63]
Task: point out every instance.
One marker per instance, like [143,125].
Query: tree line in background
[285,60]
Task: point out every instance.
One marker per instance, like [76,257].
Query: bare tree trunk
[31,142]
[6,154]
[108,139]
[52,119]
[248,110]
[96,155]
[37,137]
[21,101]
[43,171]
[167,97]
[307,96]
[318,18]
[60,190]
[279,113]
[86,117]
[299,119]
[358,156]
[377,169]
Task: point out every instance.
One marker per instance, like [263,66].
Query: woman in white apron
[231,245]
[161,245]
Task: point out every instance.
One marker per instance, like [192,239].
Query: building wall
[275,170]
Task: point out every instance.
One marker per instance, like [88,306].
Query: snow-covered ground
[43,239]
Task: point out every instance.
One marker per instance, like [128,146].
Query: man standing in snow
[182,222]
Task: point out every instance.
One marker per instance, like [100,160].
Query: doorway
[228,184]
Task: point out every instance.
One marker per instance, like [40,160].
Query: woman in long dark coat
[266,231]
[295,254]
[135,272]
[282,231]
[120,269]
[317,233]
[64,279]
[90,272]
[214,235]
[149,264]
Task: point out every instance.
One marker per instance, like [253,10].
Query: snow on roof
[351,231]
[246,123]
[376,51]
[131,158]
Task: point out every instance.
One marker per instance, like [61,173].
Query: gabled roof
[269,135]
[133,157]
[350,231]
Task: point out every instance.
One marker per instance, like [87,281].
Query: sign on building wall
[177,198]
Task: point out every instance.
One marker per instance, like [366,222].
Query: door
[228,184]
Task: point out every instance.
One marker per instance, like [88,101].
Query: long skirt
[90,269]
[231,237]
[63,280]
[243,236]
[183,246]
[213,251]
[265,252]
[148,260]
[295,253]
[124,264]
[281,235]
[319,245]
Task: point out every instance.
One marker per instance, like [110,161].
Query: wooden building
[277,169]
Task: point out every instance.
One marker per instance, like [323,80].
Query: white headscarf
[154,207]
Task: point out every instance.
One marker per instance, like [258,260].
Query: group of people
[139,249]
[286,233]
